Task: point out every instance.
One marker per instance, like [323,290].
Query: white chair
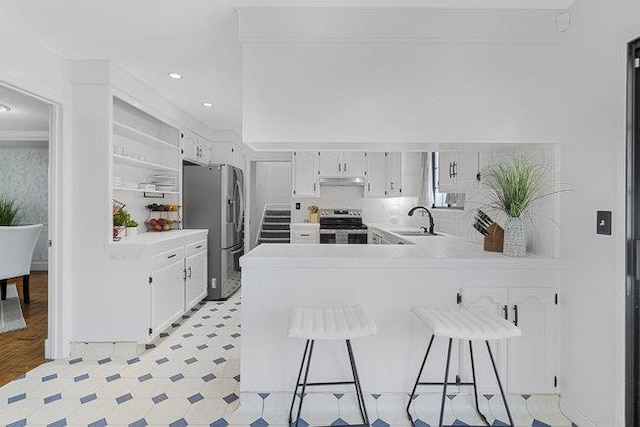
[339,323]
[469,324]
[16,250]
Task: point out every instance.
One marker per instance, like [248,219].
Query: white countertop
[445,252]
[145,240]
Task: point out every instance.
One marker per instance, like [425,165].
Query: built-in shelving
[145,149]
[139,136]
[130,161]
[139,190]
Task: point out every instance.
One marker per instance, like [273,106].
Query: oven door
[327,236]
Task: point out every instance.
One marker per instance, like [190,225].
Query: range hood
[342,182]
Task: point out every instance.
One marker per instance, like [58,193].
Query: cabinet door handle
[369,186]
[198,247]
[189,272]
[172,256]
[339,167]
[450,170]
[455,169]
[515,314]
[304,235]
[314,187]
[505,308]
[345,167]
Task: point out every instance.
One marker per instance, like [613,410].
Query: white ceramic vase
[515,243]
[132,231]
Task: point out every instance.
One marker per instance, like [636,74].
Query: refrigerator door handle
[241,210]
[230,210]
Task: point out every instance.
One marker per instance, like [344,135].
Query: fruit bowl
[160,224]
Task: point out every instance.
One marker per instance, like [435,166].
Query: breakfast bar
[387,280]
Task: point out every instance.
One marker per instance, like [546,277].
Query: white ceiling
[197,38]
[27,114]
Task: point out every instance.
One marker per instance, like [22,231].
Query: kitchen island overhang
[387,280]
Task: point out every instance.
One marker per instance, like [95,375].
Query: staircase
[274,227]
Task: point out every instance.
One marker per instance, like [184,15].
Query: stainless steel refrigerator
[213,199]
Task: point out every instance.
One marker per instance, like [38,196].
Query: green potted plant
[512,188]
[132,227]
[120,218]
[9,211]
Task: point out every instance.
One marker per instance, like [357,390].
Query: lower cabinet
[305,233]
[177,282]
[527,364]
[167,295]
[195,285]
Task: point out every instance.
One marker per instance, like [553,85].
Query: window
[442,200]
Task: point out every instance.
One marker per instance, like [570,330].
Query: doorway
[28,132]
[633,241]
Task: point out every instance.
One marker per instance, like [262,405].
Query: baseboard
[577,417]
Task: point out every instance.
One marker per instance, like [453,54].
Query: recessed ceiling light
[4,108]
[207,104]
[175,76]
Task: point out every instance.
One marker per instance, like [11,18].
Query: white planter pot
[118,233]
[132,231]
[515,243]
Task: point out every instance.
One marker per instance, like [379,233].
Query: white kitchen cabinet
[527,364]
[376,174]
[227,153]
[167,293]
[342,164]
[375,237]
[195,286]
[189,146]
[305,233]
[394,174]
[457,171]
[195,148]
[384,174]
[305,173]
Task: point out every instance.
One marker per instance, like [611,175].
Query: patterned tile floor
[191,376]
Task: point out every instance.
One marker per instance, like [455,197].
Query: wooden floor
[23,350]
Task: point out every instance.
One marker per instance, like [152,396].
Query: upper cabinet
[227,153]
[342,164]
[195,148]
[305,173]
[384,174]
[457,171]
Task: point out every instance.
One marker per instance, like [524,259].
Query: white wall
[30,66]
[24,177]
[594,163]
[400,77]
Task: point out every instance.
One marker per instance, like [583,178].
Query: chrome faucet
[431,226]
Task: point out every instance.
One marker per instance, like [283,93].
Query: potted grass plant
[9,211]
[512,188]
[132,227]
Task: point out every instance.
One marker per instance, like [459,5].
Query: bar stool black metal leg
[356,380]
[304,382]
[295,391]
[446,380]
[415,386]
[475,387]
[495,370]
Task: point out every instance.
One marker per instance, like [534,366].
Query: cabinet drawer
[195,247]
[306,236]
[166,258]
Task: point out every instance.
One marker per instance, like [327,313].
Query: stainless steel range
[342,226]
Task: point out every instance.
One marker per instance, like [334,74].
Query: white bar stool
[339,323]
[463,324]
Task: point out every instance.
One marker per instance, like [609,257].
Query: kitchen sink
[415,233]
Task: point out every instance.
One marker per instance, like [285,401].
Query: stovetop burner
[341,219]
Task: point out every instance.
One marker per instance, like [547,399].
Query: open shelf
[139,190]
[130,161]
[136,135]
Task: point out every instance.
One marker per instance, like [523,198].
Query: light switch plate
[603,225]
[297,206]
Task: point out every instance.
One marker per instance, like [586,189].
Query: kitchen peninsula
[388,280]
